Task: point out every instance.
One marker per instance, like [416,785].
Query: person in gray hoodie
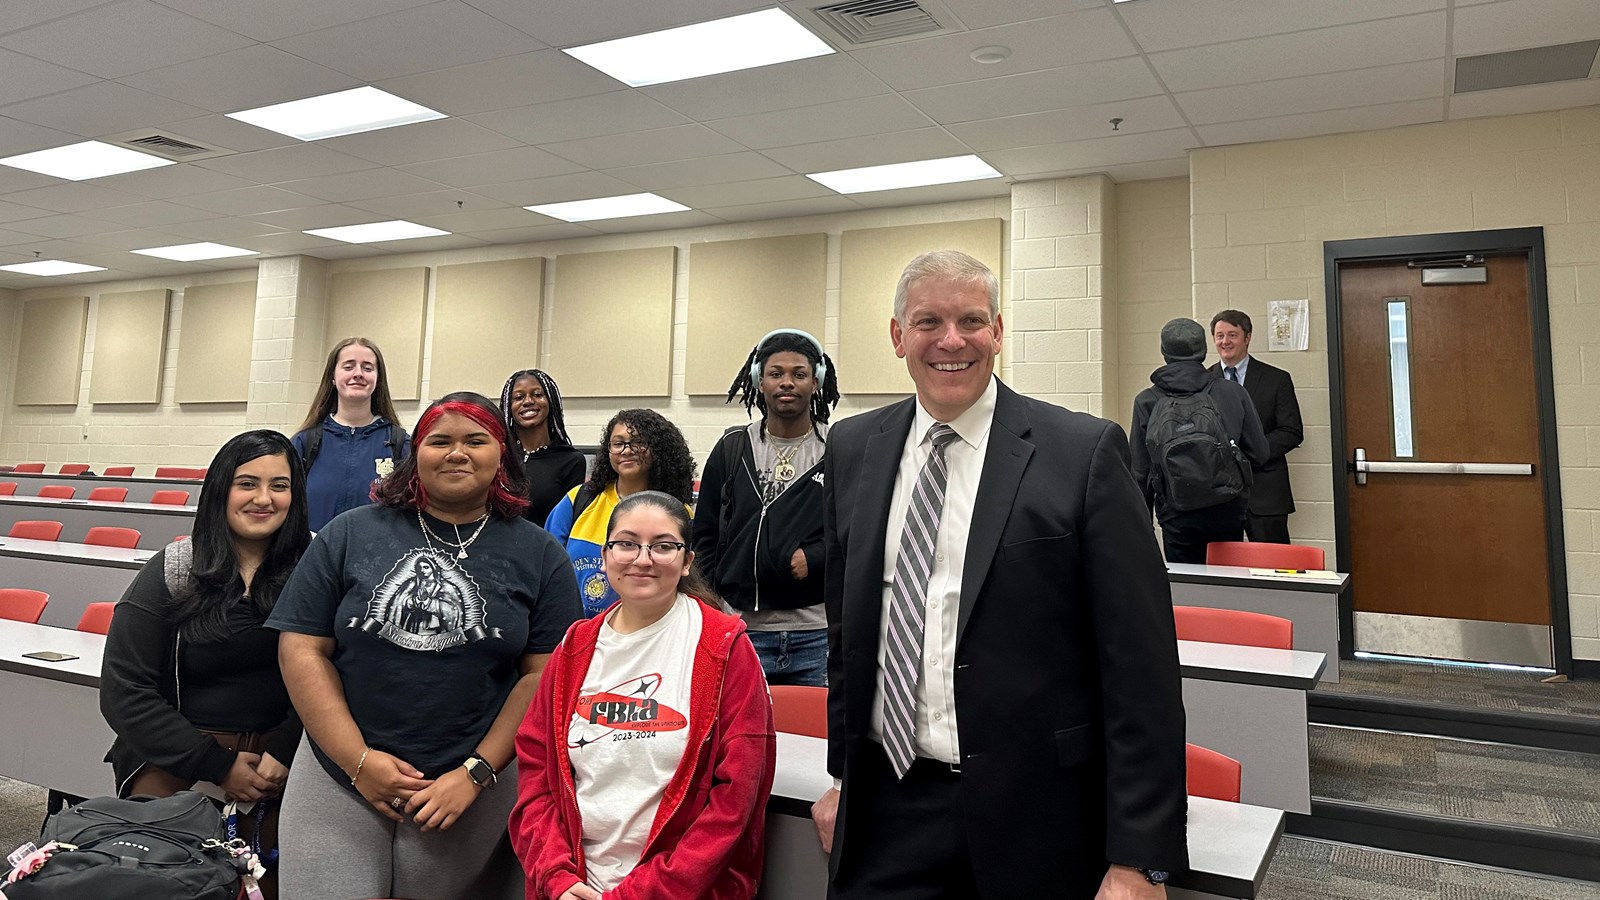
[1185,529]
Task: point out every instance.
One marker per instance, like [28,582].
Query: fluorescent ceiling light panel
[373,232]
[90,159]
[949,170]
[193,252]
[347,112]
[52,267]
[762,38]
[608,208]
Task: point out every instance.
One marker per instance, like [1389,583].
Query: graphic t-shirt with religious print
[427,642]
[628,734]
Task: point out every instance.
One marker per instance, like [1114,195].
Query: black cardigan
[551,473]
[229,686]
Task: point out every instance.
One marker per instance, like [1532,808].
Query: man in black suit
[1004,707]
[1272,391]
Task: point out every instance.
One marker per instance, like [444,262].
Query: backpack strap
[179,565]
[313,444]
[581,501]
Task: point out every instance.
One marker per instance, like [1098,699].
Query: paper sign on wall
[1288,324]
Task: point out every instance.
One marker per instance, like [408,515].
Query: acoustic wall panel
[215,343]
[50,351]
[612,318]
[486,319]
[740,290]
[130,343]
[871,261]
[386,306]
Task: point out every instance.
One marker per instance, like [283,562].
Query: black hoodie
[1180,379]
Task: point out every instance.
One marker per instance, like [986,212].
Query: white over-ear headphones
[755,363]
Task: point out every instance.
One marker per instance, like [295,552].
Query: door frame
[1529,241]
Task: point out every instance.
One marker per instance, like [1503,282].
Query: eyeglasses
[620,447]
[634,549]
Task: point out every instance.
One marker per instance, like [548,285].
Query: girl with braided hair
[530,404]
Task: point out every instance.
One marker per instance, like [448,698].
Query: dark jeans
[1267,529]
[1184,535]
[793,657]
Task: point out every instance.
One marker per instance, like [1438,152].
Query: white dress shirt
[936,690]
[1244,363]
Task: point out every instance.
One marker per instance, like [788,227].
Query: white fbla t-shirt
[628,734]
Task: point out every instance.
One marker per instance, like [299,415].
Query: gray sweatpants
[334,846]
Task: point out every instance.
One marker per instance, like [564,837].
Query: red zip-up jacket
[708,839]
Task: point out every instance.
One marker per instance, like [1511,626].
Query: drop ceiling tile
[489,168]
[522,80]
[230,134]
[570,24]
[1084,36]
[65,226]
[1081,85]
[803,82]
[875,150]
[421,39]
[1166,26]
[1146,171]
[1092,154]
[556,189]
[694,218]
[250,201]
[26,77]
[132,239]
[433,203]
[1517,24]
[17,136]
[644,147]
[269,21]
[22,14]
[338,250]
[1311,93]
[241,79]
[330,215]
[421,142]
[985,13]
[285,163]
[238,232]
[46,248]
[582,117]
[745,166]
[430,244]
[745,193]
[71,197]
[17,239]
[14,212]
[1530,98]
[13,180]
[151,213]
[826,121]
[293,242]
[1078,123]
[1364,118]
[935,193]
[480,220]
[172,182]
[123,38]
[559,231]
[1314,52]
[102,108]
[785,209]
[365,185]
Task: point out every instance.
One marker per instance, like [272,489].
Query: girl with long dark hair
[531,405]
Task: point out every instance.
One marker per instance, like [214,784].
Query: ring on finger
[397,803]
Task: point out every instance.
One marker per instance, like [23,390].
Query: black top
[155,706]
[552,471]
[427,645]
[1271,389]
[1180,379]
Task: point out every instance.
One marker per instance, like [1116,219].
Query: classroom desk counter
[74,575]
[1310,601]
[157,523]
[63,739]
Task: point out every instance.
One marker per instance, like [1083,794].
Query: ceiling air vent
[869,21]
[167,146]
[1537,65]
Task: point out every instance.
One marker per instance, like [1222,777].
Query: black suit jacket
[1068,696]
[1272,391]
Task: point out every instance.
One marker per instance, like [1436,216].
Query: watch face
[1155,876]
[479,770]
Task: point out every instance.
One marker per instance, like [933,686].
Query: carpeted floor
[1507,691]
[1488,782]
[21,814]
[1310,870]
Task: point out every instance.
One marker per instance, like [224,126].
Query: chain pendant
[462,554]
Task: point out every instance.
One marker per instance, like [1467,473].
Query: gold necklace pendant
[783,471]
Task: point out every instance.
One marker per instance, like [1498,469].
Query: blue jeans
[793,657]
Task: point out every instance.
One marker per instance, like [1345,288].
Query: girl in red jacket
[646,759]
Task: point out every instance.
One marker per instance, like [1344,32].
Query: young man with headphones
[758,522]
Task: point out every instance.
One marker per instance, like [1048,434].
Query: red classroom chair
[22,605]
[170,498]
[1210,774]
[96,619]
[110,536]
[180,472]
[36,530]
[109,494]
[8,488]
[1233,626]
[30,468]
[57,492]
[118,471]
[1257,555]
[73,469]
[798,709]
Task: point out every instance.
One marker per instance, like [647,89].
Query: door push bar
[1363,468]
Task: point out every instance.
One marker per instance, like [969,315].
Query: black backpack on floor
[1193,461]
[168,848]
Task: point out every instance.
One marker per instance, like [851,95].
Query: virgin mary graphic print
[426,602]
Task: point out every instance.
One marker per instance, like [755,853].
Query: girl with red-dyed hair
[412,637]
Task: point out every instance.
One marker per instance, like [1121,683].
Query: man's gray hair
[947,265]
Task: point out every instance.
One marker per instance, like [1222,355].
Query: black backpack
[136,849]
[1193,462]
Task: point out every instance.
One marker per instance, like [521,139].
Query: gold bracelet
[357,776]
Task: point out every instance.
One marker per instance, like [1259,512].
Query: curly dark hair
[672,466]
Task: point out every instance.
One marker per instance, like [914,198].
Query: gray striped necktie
[909,591]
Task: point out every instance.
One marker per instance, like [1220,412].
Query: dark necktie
[1233,373]
[909,595]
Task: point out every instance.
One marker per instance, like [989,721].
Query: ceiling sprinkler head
[1116,124]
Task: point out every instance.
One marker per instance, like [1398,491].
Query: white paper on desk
[1315,574]
[218,794]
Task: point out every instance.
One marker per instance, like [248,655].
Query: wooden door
[1444,374]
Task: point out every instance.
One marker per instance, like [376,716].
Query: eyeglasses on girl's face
[662,550]
[622,447]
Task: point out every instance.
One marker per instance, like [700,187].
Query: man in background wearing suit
[1005,715]
[1272,391]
